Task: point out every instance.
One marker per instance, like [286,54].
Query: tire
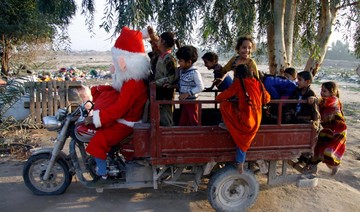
[34,169]
[230,191]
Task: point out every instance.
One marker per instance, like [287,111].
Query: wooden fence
[47,97]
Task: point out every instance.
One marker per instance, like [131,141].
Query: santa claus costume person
[118,107]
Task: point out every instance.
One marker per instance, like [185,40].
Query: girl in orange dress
[243,119]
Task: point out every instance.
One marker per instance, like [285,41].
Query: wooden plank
[47,97]
[44,100]
[56,96]
[32,100]
[50,99]
[38,103]
[61,91]
[67,102]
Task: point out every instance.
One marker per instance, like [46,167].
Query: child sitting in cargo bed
[302,112]
[279,87]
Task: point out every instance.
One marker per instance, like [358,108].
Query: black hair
[306,75]
[332,88]
[210,56]
[291,71]
[242,39]
[168,38]
[243,71]
[187,53]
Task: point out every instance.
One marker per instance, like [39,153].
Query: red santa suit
[118,107]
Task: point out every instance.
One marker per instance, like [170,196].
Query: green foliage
[219,22]
[10,94]
[265,17]
[223,26]
[306,22]
[25,22]
[357,31]
[20,21]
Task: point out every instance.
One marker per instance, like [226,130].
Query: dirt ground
[338,193]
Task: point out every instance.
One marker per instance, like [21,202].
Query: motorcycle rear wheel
[34,170]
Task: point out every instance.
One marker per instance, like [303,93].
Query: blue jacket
[279,87]
[225,84]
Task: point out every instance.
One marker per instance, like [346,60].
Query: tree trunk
[289,20]
[280,62]
[5,56]
[270,46]
[326,22]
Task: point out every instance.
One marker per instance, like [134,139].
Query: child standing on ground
[244,47]
[330,146]
[211,62]
[243,119]
[190,84]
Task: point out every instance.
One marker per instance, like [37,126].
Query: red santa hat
[130,40]
[129,57]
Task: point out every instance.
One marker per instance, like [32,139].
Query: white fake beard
[137,67]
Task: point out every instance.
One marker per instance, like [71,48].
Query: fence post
[37,103]
[47,97]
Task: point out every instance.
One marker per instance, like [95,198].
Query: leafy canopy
[23,21]
[218,22]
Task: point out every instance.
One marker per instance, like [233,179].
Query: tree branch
[348,5]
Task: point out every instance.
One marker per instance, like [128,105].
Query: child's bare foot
[334,169]
[240,167]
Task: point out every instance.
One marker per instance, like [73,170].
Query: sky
[81,39]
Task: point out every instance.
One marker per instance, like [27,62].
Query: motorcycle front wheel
[34,170]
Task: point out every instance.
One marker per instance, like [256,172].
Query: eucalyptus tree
[285,24]
[23,22]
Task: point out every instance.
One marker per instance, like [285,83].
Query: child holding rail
[330,146]
[302,112]
[190,84]
[164,73]
[243,119]
[221,81]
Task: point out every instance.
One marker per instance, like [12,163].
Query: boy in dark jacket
[303,112]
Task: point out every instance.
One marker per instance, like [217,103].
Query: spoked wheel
[34,170]
[230,191]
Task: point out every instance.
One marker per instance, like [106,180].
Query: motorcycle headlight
[51,123]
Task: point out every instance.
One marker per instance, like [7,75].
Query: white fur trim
[137,67]
[128,123]
[145,33]
[96,118]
